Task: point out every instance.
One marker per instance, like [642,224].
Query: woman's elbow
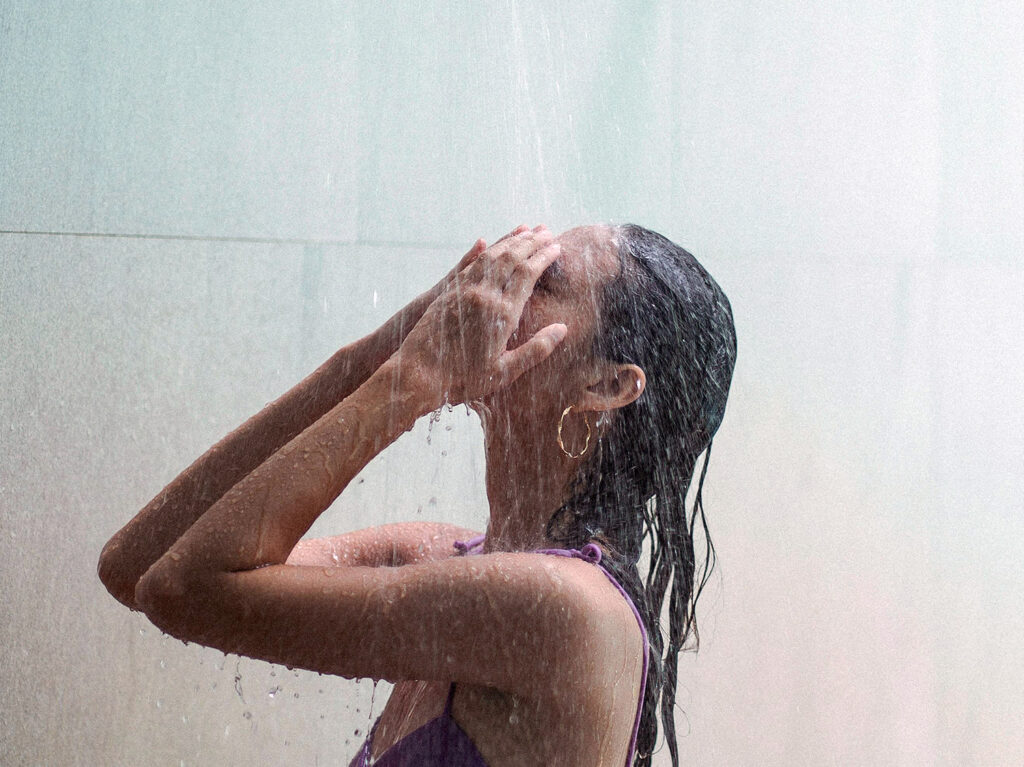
[176,601]
[115,575]
[157,591]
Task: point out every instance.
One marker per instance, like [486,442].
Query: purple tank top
[441,742]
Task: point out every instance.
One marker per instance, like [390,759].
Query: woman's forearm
[134,548]
[259,520]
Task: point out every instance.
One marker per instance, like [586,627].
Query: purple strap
[463,547]
[591,552]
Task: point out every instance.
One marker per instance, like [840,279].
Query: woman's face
[568,292]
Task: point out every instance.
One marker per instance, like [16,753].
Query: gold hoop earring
[585,444]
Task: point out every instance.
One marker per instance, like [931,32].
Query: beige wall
[855,182]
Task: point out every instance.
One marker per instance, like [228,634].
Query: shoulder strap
[467,547]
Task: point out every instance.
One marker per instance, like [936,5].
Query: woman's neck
[527,480]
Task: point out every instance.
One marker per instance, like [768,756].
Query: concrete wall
[199,203]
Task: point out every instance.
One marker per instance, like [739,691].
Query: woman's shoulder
[589,642]
[575,584]
[516,621]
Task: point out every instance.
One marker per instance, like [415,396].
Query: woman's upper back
[588,712]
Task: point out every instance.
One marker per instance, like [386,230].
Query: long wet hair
[666,314]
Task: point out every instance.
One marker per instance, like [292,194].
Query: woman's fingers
[480,246]
[531,353]
[521,281]
[471,255]
[494,265]
[518,230]
[519,251]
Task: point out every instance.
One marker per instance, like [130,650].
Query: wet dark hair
[666,314]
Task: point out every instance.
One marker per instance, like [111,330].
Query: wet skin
[526,471]
[562,692]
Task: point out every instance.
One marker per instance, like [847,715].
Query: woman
[599,362]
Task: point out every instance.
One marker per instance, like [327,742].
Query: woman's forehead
[594,248]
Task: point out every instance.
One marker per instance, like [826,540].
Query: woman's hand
[386,339]
[414,311]
[458,349]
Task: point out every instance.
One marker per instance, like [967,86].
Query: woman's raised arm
[140,543]
[224,583]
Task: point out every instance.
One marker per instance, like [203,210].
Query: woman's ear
[615,386]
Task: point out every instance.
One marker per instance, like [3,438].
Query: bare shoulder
[579,625]
[564,656]
[608,612]
[571,605]
[587,660]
